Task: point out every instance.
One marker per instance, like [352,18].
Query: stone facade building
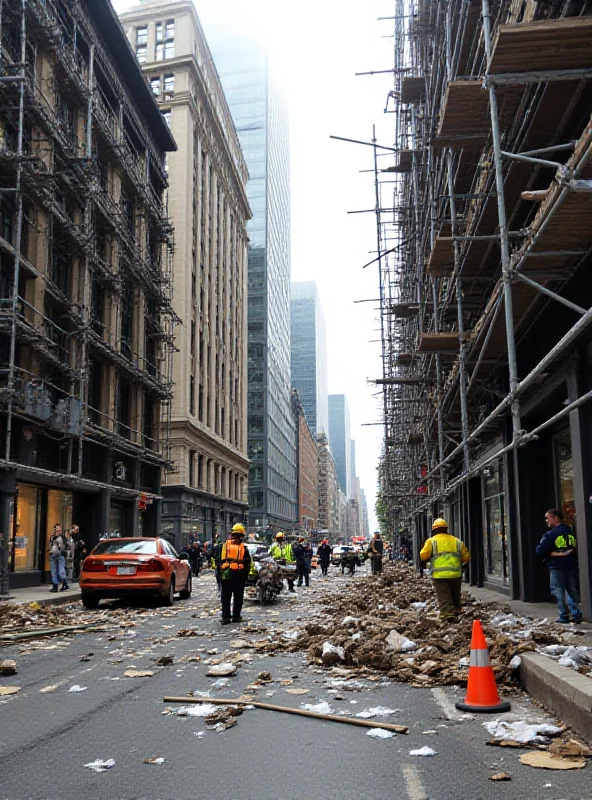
[206,490]
[330,509]
[308,469]
[85,312]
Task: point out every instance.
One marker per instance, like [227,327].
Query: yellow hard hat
[439,523]
[238,528]
[279,535]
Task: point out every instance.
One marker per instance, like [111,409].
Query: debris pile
[392,625]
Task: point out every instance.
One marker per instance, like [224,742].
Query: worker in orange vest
[234,562]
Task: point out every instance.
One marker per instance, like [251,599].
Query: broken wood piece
[362,723]
[536,196]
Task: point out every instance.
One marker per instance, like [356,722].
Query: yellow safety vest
[446,563]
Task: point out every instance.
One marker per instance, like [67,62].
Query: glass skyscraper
[260,118]
[339,440]
[309,354]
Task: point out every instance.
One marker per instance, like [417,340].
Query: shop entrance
[495,525]
[564,476]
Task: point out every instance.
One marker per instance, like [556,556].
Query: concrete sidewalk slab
[43,595]
[564,692]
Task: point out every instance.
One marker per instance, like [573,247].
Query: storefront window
[564,476]
[116,520]
[26,526]
[495,523]
[59,512]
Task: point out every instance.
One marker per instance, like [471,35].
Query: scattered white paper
[423,751]
[329,648]
[378,711]
[77,688]
[319,708]
[100,766]
[515,662]
[520,731]
[379,733]
[202,710]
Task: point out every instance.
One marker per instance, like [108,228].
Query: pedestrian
[233,564]
[282,554]
[376,551]
[80,552]
[447,556]
[195,554]
[69,554]
[558,548]
[57,559]
[303,554]
[324,551]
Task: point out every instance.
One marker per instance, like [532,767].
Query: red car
[120,567]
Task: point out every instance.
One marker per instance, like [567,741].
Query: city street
[49,732]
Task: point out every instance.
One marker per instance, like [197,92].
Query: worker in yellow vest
[282,554]
[447,556]
[233,563]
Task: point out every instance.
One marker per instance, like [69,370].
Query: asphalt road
[46,738]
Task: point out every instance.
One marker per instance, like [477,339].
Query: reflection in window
[142,35]
[141,53]
[155,86]
[169,86]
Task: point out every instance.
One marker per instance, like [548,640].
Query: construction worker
[281,552]
[447,556]
[233,564]
[558,548]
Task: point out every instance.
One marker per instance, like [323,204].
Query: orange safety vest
[232,556]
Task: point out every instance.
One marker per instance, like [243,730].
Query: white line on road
[445,704]
[415,790]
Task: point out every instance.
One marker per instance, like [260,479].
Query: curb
[65,597]
[563,691]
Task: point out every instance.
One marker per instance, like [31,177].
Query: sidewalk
[43,595]
[534,610]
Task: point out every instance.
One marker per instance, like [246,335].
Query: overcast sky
[319,46]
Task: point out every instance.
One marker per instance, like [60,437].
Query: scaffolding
[81,200]
[491,196]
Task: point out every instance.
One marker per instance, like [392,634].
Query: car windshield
[141,546]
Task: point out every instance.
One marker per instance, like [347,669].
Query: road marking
[445,704]
[415,790]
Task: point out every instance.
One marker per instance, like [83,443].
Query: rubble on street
[391,625]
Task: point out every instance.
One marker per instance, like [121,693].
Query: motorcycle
[266,578]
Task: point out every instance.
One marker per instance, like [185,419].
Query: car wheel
[186,593]
[90,600]
[170,597]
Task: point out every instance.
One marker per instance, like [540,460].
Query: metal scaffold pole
[503,230]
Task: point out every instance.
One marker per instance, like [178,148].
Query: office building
[309,354]
[307,459]
[339,439]
[261,122]
[206,489]
[86,316]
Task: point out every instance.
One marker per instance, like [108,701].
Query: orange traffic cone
[482,694]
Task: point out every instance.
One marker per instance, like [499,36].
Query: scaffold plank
[439,342]
[464,118]
[413,88]
[405,161]
[441,260]
[556,44]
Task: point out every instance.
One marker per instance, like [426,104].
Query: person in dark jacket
[375,552]
[302,552]
[195,558]
[559,551]
[324,551]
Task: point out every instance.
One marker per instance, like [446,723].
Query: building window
[165,40]
[142,53]
[192,467]
[155,86]
[169,86]
[142,35]
[166,115]
[192,395]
